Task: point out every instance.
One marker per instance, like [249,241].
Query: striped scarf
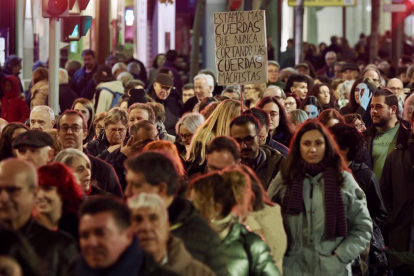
[335,219]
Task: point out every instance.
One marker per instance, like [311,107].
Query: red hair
[60,176]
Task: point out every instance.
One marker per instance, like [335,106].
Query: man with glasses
[34,146]
[18,184]
[265,161]
[273,74]
[275,91]
[72,130]
[397,87]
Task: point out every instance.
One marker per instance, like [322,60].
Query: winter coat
[80,82]
[397,184]
[248,255]
[270,166]
[309,251]
[66,97]
[13,104]
[98,147]
[277,146]
[104,101]
[203,243]
[181,262]
[172,111]
[269,221]
[39,93]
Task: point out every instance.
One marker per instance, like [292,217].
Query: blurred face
[82,109]
[273,73]
[82,172]
[9,267]
[360,125]
[68,138]
[248,139]
[37,156]
[300,89]
[302,70]
[324,95]
[349,74]
[381,113]
[160,60]
[274,92]
[312,111]
[48,200]
[251,93]
[185,135]
[136,184]
[312,147]
[16,69]
[187,94]
[88,62]
[152,230]
[162,91]
[330,59]
[290,104]
[101,240]
[16,197]
[396,86]
[115,133]
[41,121]
[374,76]
[201,89]
[137,115]
[404,77]
[219,160]
[7,86]
[274,113]
[337,71]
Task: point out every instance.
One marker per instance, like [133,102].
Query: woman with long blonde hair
[218,124]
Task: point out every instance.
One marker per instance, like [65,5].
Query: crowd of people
[144,174]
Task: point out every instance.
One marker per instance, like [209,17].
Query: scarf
[335,219]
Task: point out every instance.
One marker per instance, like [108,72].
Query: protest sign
[241,49]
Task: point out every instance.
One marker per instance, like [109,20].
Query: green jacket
[309,252]
[248,255]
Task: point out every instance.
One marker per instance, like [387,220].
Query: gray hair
[272,87]
[298,115]
[209,79]
[118,66]
[152,201]
[125,77]
[66,156]
[274,63]
[43,108]
[63,76]
[191,121]
[134,68]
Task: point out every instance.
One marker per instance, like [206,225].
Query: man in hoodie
[13,104]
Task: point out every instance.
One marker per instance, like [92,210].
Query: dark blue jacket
[80,81]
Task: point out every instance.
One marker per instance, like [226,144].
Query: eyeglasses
[11,190]
[165,87]
[395,89]
[120,130]
[74,128]
[185,136]
[248,140]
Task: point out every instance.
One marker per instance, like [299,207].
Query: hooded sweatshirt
[13,105]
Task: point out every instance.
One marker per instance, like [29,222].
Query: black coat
[80,82]
[397,184]
[200,240]
[98,147]
[172,108]
[270,166]
[103,176]
[189,105]
[56,249]
[365,114]
[66,97]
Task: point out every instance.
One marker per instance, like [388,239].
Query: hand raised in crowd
[132,146]
[365,96]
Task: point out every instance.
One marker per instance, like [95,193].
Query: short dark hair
[351,118]
[245,119]
[188,86]
[294,78]
[390,99]
[171,55]
[224,143]
[402,70]
[73,112]
[119,210]
[260,115]
[141,124]
[111,57]
[88,52]
[156,167]
[348,137]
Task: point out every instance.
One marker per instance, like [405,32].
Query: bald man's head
[18,182]
[395,85]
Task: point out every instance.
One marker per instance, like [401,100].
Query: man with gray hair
[203,87]
[66,94]
[275,91]
[328,70]
[42,118]
[151,226]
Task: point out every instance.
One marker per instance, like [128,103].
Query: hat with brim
[104,74]
[301,65]
[164,80]
[349,66]
[32,138]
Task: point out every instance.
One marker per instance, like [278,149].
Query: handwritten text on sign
[241,52]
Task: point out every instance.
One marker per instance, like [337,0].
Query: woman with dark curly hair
[11,131]
[323,208]
[58,198]
[280,129]
[324,93]
[17,257]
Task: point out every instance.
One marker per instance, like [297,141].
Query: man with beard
[388,129]
[263,160]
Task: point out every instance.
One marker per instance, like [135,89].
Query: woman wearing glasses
[115,130]
[324,210]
